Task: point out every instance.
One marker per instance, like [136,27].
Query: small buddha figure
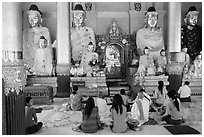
[150,36]
[191,33]
[196,67]
[89,61]
[187,57]
[161,62]
[146,64]
[31,36]
[43,59]
[81,35]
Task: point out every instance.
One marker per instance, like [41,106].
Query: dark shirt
[191,39]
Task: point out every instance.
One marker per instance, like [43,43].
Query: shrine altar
[90,86]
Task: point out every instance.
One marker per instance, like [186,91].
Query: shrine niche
[112,52]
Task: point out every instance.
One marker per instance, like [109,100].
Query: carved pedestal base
[90,86]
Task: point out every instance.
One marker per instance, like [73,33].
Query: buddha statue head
[42,42]
[34,16]
[146,50]
[162,52]
[90,47]
[191,17]
[151,17]
[79,16]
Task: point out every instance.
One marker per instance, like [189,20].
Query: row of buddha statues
[38,54]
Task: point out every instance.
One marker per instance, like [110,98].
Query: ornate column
[63,48]
[13,71]
[63,38]
[176,58]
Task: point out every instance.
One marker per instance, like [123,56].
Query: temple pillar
[13,70]
[175,56]
[63,48]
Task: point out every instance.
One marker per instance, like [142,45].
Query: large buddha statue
[150,36]
[81,35]
[191,33]
[31,37]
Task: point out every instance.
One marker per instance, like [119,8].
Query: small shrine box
[40,94]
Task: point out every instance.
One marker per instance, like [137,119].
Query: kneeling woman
[173,112]
[90,120]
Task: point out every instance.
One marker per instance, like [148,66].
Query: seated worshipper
[135,89]
[76,99]
[118,115]
[161,62]
[196,67]
[191,33]
[31,121]
[140,108]
[150,36]
[90,119]
[102,106]
[173,112]
[89,60]
[125,98]
[160,93]
[146,64]
[43,63]
[185,92]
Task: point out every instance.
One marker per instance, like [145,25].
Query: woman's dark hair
[27,100]
[160,87]
[89,106]
[117,103]
[122,91]
[172,94]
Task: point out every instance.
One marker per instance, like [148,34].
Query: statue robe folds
[31,38]
[151,39]
[43,61]
[80,38]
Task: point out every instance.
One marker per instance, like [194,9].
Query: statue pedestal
[43,81]
[195,85]
[90,86]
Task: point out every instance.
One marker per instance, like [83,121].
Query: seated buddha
[146,65]
[150,36]
[196,67]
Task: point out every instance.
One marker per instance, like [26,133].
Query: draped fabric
[31,38]
[151,39]
[79,41]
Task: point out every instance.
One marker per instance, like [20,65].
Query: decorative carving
[63,69]
[137,6]
[14,76]
[88,6]
[175,68]
[13,90]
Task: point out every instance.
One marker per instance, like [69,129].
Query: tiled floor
[55,125]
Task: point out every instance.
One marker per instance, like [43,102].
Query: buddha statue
[196,67]
[191,33]
[161,62]
[146,65]
[150,36]
[81,35]
[89,61]
[31,37]
[43,58]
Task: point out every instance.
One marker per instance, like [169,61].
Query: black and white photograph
[101,68]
